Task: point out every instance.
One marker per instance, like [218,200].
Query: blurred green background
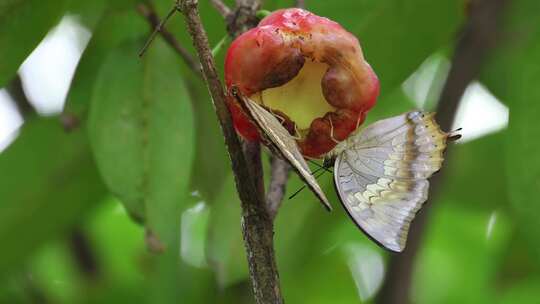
[107,132]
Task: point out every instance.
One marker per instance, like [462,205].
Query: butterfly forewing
[381,176]
[283,143]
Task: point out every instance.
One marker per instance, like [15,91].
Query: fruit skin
[274,52]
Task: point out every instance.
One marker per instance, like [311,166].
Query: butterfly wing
[282,142]
[381,177]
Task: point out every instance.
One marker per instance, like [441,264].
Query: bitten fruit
[309,72]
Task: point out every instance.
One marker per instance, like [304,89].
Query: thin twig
[221,7]
[158,26]
[278,183]
[479,36]
[256,222]
[300,4]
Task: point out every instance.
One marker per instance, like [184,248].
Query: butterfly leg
[282,121]
[332,130]
[358,122]
[297,135]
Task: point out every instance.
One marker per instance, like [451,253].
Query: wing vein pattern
[381,174]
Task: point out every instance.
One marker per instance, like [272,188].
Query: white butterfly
[380,172]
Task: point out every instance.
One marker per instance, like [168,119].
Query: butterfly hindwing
[381,175]
[282,142]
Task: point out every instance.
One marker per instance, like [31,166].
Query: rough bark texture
[243,17]
[278,183]
[257,224]
[258,232]
[478,37]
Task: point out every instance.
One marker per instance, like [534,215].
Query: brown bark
[257,226]
[278,182]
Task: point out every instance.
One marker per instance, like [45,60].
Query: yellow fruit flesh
[301,98]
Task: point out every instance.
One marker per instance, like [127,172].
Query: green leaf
[393,103]
[522,161]
[505,72]
[396,36]
[109,226]
[211,158]
[225,246]
[225,249]
[52,264]
[513,75]
[474,166]
[312,246]
[87,12]
[48,182]
[522,292]
[323,278]
[132,274]
[91,13]
[115,27]
[459,261]
[23,24]
[141,131]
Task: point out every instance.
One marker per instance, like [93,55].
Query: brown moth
[281,142]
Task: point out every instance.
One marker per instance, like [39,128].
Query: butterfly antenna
[304,186]
[317,170]
[454,135]
[158,28]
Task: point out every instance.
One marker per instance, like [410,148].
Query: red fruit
[309,71]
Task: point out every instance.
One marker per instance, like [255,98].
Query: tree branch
[243,18]
[479,36]
[256,223]
[148,12]
[278,183]
[221,7]
[300,4]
